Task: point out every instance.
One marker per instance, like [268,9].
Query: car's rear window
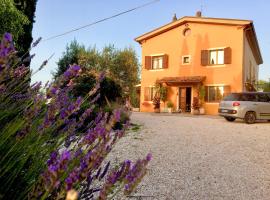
[241,97]
[233,97]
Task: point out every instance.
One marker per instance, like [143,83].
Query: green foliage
[69,57]
[169,104]
[52,142]
[109,89]
[125,68]
[195,104]
[156,102]
[264,86]
[12,20]
[124,116]
[161,91]
[134,99]
[135,127]
[202,93]
[28,8]
[122,66]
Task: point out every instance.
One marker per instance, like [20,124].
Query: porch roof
[182,80]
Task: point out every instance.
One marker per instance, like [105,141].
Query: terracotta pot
[136,109]
[196,112]
[202,111]
[157,110]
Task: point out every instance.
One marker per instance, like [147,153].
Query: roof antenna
[199,13]
[201,7]
[174,18]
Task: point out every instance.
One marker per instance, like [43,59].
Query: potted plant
[161,91]
[156,103]
[202,96]
[163,94]
[170,106]
[195,106]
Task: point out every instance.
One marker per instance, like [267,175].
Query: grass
[135,127]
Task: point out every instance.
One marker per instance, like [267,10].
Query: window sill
[216,66]
[211,102]
[155,70]
[186,64]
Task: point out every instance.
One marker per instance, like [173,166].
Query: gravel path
[199,157]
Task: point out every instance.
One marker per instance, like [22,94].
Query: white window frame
[215,85]
[156,55]
[183,58]
[151,93]
[159,62]
[217,56]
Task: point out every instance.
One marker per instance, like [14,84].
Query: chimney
[174,18]
[198,14]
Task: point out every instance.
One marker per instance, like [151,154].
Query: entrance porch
[182,90]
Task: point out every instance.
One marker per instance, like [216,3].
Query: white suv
[249,106]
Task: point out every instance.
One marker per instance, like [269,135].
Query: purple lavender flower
[67,74]
[45,62]
[36,86]
[127,187]
[53,158]
[63,114]
[8,37]
[53,168]
[65,155]
[75,68]
[71,72]
[101,76]
[54,90]
[29,58]
[71,180]
[149,157]
[20,71]
[36,42]
[83,165]
[117,115]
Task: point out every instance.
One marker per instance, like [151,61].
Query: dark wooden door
[182,98]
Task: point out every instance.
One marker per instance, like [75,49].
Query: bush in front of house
[53,143]
[196,103]
[169,104]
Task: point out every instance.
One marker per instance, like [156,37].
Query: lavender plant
[52,143]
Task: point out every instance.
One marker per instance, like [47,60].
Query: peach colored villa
[191,53]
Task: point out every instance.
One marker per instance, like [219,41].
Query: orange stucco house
[191,54]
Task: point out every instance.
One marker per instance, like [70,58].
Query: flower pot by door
[195,112]
[157,110]
[202,111]
[169,110]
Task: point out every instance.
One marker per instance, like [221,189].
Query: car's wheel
[230,119]
[250,117]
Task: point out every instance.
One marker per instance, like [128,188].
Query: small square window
[185,60]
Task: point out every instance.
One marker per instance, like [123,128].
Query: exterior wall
[175,44]
[250,64]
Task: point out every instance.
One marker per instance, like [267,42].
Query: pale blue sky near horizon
[58,16]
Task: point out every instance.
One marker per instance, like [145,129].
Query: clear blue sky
[57,16]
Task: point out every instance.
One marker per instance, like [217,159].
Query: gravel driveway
[199,157]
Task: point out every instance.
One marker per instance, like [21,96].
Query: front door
[185,99]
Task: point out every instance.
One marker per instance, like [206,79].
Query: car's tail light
[236,104]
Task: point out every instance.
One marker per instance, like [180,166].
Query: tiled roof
[182,79]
